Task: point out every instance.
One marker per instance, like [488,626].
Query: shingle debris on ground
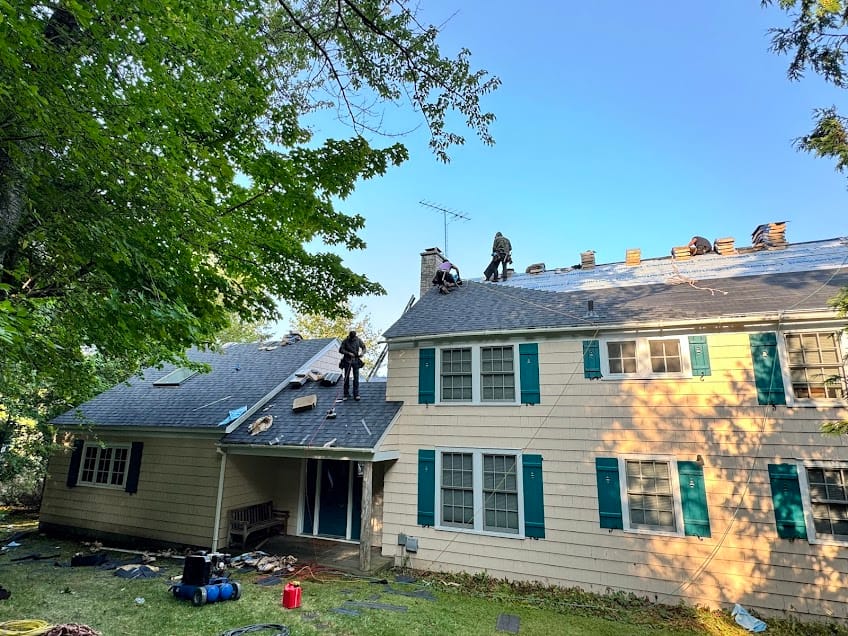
[508,623]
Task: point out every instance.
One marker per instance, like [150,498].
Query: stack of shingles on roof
[681,252]
[769,236]
[587,259]
[725,246]
[633,257]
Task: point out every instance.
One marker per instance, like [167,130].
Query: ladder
[381,358]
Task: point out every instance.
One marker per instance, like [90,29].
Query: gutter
[311,452]
[749,320]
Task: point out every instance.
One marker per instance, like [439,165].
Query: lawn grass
[464,605]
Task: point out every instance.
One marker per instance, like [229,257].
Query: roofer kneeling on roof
[444,279]
[699,245]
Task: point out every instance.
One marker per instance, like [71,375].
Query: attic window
[175,377]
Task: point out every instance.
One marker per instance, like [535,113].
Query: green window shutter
[528,354]
[76,460]
[609,492]
[591,359]
[426,487]
[426,376]
[767,375]
[693,496]
[135,467]
[699,355]
[534,497]
[786,495]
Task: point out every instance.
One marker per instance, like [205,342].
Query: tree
[817,39]
[244,331]
[155,178]
[322,326]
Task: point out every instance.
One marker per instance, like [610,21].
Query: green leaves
[155,180]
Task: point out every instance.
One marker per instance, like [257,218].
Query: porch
[336,555]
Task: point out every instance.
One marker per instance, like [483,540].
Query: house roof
[240,375]
[802,277]
[356,425]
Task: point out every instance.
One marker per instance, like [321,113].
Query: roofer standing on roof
[352,350]
[699,245]
[501,255]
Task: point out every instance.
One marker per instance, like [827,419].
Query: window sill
[104,486]
[653,533]
[486,533]
[476,404]
[653,376]
[818,403]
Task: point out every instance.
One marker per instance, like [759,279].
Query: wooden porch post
[365,538]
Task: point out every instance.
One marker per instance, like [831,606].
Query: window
[456,375]
[104,465]
[497,379]
[479,491]
[652,494]
[477,374]
[816,365]
[828,501]
[649,495]
[645,358]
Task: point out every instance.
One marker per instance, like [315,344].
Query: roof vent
[587,259]
[633,256]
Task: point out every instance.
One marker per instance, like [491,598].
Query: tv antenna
[445,213]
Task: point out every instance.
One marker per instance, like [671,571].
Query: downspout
[219,499]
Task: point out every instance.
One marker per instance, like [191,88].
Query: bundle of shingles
[769,236]
[725,245]
[681,252]
[587,259]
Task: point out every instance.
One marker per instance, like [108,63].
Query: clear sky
[619,125]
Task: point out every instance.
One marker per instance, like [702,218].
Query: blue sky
[619,125]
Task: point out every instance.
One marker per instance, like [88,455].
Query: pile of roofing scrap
[266,563]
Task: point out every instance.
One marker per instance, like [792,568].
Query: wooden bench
[249,519]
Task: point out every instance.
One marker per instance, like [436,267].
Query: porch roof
[356,425]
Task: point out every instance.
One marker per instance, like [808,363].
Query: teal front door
[332,496]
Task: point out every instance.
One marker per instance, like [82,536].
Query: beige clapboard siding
[578,420]
[175,501]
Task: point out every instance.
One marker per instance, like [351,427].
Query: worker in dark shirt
[699,245]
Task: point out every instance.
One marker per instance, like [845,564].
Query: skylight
[175,377]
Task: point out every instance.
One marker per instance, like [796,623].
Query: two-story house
[651,427]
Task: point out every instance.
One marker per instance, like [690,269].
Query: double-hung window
[652,494]
[644,357]
[811,501]
[105,465]
[478,374]
[479,490]
[816,365]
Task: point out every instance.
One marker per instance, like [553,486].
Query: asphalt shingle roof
[241,375]
[356,425]
[516,305]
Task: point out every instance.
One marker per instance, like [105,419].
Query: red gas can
[291,595]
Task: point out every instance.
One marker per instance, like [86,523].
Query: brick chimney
[431,258]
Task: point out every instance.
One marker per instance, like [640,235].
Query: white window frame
[804,484]
[643,358]
[101,448]
[476,374]
[675,492]
[783,352]
[477,471]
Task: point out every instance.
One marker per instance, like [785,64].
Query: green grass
[464,605]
